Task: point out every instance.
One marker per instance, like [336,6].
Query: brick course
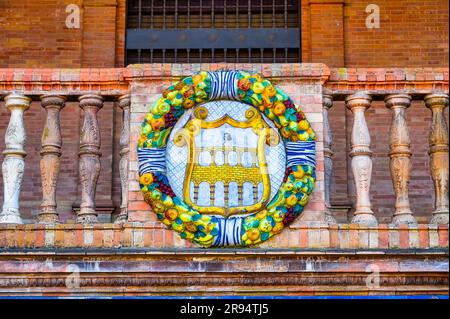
[378,119]
[150,235]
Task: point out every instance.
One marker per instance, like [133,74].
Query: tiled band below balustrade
[154,235]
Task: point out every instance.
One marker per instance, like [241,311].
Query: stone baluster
[50,154]
[400,154]
[439,150]
[124,104]
[89,163]
[361,158]
[14,164]
[328,153]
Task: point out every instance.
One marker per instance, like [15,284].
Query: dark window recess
[208,31]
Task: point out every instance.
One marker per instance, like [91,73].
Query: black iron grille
[210,31]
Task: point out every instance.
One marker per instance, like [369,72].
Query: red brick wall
[116,190]
[33,34]
[412,33]
[327,32]
[338,122]
[99,33]
[120,33]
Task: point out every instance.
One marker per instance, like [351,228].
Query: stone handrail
[91,87]
[115,81]
[303,236]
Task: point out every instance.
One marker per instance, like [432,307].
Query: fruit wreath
[215,230]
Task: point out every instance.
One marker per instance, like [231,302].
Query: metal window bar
[188,14]
[164,14]
[151,14]
[175,31]
[176,14]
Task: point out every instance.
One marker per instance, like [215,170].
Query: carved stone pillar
[361,158]
[50,153]
[328,153]
[89,163]
[439,155]
[14,164]
[400,154]
[124,103]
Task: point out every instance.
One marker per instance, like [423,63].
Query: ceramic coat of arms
[226,159]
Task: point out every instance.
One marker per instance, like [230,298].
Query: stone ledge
[382,81]
[125,251]
[151,235]
[297,71]
[129,273]
[115,81]
[309,225]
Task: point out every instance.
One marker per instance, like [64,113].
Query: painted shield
[226,159]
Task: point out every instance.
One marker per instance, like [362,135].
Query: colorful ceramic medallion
[226,159]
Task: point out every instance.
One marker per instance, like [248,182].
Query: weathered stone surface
[89,163]
[14,164]
[50,157]
[400,154]
[124,103]
[361,158]
[327,101]
[439,150]
[157,272]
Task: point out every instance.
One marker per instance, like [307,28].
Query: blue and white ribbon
[300,153]
[223,85]
[229,232]
[151,160]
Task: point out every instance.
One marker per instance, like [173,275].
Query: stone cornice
[115,81]
[76,82]
[383,81]
[311,72]
[126,273]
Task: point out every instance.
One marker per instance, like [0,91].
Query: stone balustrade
[89,163]
[92,92]
[51,150]
[328,154]
[14,164]
[51,153]
[360,152]
[124,103]
[400,153]
[439,155]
